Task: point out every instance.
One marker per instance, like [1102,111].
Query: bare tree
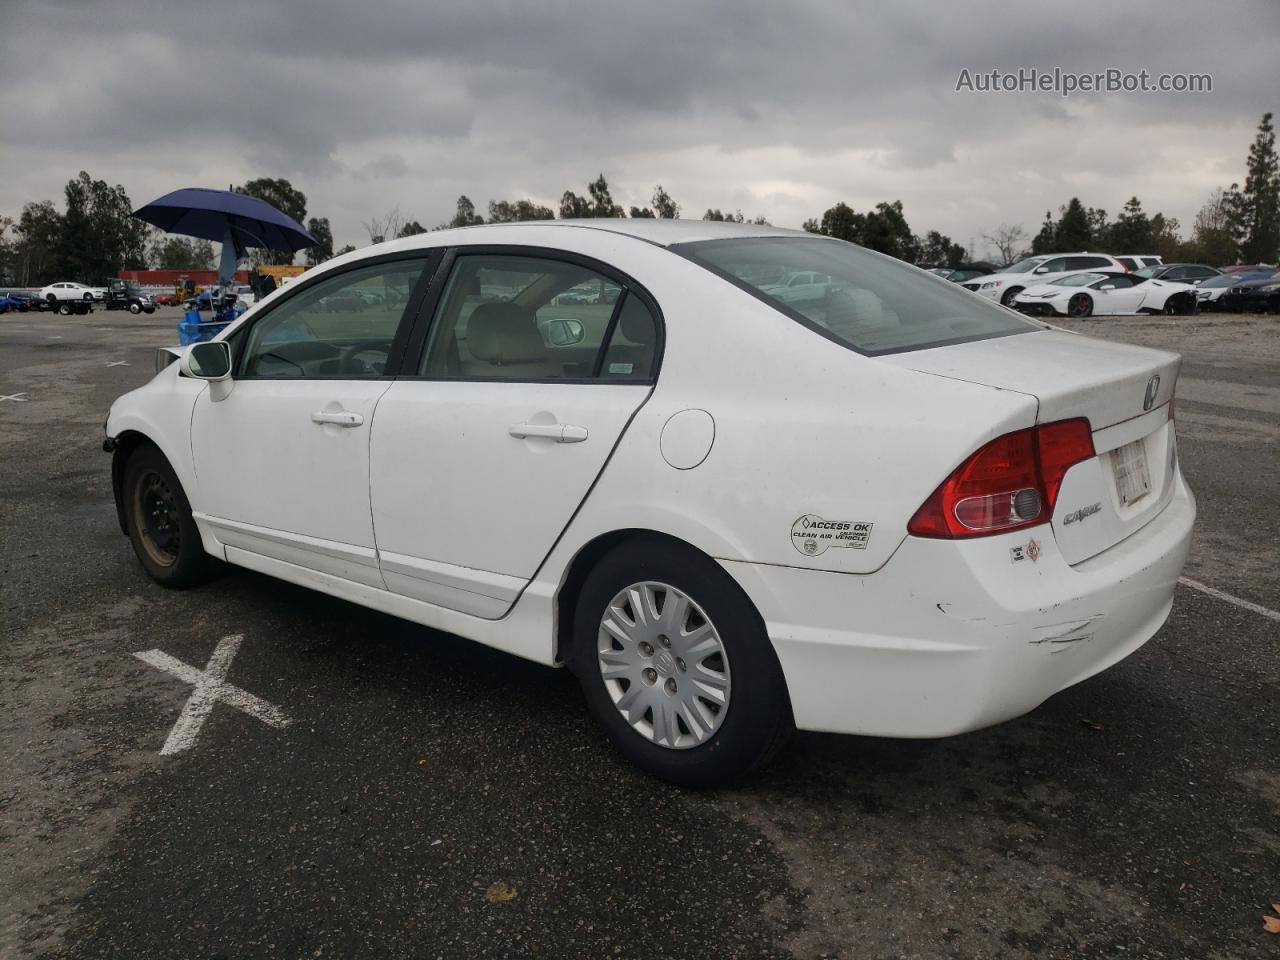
[386,227]
[1008,240]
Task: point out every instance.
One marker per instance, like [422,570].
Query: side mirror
[208,361]
[563,333]
[1040,270]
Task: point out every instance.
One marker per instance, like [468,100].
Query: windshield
[1080,279]
[1025,266]
[863,300]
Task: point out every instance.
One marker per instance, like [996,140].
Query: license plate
[1133,479]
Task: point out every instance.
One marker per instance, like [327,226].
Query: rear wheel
[1081,305]
[161,528]
[64,309]
[675,664]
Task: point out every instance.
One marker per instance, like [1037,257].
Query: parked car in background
[8,303]
[1133,262]
[1106,294]
[941,512]
[166,299]
[969,271]
[1004,286]
[1179,272]
[55,292]
[20,301]
[1249,296]
[1209,292]
[1250,268]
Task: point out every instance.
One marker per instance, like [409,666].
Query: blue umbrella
[236,220]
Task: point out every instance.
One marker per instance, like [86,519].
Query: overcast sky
[780,109]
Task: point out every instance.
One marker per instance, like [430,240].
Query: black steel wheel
[161,528]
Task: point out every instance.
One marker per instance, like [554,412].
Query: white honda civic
[890,508]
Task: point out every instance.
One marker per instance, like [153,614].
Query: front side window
[868,302]
[506,317]
[1079,280]
[342,326]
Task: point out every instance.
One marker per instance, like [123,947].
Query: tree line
[95,237]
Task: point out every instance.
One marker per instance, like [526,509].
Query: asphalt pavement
[417,795]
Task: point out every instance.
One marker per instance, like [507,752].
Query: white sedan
[55,292]
[891,509]
[1104,294]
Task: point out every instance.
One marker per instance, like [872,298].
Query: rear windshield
[869,302]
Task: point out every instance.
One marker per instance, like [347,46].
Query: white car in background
[70,291]
[1106,294]
[1004,286]
[1136,261]
[890,509]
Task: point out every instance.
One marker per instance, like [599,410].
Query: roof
[664,233]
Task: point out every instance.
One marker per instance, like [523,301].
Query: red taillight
[1010,483]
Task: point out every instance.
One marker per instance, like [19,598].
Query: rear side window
[868,302]
[1129,263]
[1088,263]
[505,317]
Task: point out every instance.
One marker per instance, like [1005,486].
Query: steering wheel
[351,355]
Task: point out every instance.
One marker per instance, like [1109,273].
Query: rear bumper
[950,637]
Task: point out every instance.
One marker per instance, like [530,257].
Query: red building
[171,278]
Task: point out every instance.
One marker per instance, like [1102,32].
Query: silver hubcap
[664,665]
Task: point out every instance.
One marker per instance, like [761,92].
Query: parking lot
[417,795]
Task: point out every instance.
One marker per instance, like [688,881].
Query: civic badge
[1153,389]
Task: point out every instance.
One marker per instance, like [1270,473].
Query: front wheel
[1006,300]
[675,664]
[161,528]
[1081,305]
[135,308]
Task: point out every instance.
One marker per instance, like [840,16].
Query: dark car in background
[1195,273]
[1210,293]
[1261,295]
[18,300]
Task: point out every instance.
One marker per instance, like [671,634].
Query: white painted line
[53,338]
[210,687]
[118,363]
[15,397]
[1243,604]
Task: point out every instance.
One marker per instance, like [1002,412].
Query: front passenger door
[282,462]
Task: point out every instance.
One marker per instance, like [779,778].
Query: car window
[532,318]
[1117,282]
[1089,263]
[872,303]
[1128,262]
[1079,280]
[1056,265]
[1024,266]
[341,326]
[1151,261]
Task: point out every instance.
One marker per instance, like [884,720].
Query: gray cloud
[777,109]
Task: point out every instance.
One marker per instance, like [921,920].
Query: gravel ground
[433,798]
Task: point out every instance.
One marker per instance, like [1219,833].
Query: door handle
[342,419]
[559,432]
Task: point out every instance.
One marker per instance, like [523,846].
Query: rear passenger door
[527,374]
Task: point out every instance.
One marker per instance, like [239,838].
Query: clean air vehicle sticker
[812,535]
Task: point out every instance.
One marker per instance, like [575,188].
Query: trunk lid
[1123,390]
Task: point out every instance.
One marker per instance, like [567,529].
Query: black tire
[1081,305]
[161,528]
[64,309]
[88,296]
[757,718]
[135,308]
[1177,305]
[1006,298]
[51,300]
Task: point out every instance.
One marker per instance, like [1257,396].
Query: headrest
[636,322]
[502,333]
